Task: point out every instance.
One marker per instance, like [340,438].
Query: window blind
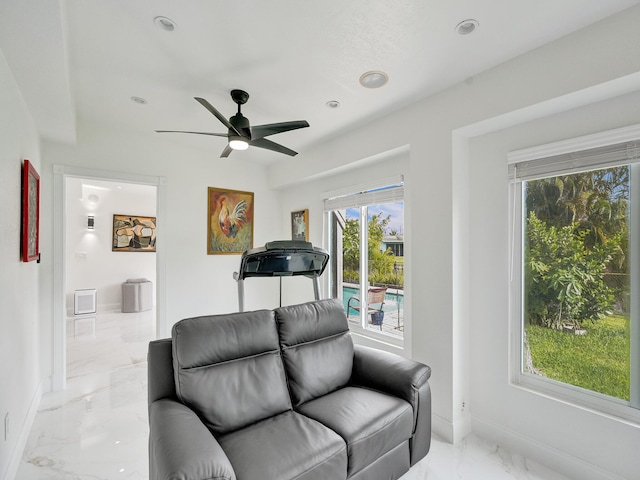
[574,162]
[389,194]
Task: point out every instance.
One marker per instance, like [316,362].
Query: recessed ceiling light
[374,79]
[139,100]
[165,23]
[465,27]
[332,104]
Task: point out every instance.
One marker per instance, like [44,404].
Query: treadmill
[282,258]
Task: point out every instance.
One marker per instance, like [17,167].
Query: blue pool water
[391,300]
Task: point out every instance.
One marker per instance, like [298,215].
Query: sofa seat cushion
[370,422]
[286,447]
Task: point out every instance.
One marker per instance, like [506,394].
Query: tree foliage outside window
[564,278]
[576,233]
[383,268]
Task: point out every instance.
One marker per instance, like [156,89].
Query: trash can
[137,295]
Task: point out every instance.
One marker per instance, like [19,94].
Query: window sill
[597,403]
[376,339]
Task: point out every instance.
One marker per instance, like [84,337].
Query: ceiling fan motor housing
[241,124]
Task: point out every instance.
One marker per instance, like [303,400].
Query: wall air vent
[84,301]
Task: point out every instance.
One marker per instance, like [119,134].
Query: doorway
[101,335]
[64,216]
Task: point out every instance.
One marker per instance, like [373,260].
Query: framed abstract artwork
[229,221]
[30,227]
[300,225]
[134,233]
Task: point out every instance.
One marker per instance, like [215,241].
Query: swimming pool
[392,301]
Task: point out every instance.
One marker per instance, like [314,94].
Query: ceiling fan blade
[261,131]
[269,145]
[227,150]
[196,133]
[217,114]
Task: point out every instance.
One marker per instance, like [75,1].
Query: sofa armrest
[403,378]
[181,447]
[160,371]
[389,373]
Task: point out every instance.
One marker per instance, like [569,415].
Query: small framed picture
[30,212]
[300,225]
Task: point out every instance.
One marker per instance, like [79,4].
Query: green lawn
[597,361]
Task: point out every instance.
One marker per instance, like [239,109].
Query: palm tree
[597,201]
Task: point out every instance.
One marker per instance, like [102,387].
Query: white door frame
[60,173]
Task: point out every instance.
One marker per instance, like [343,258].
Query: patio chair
[375,296]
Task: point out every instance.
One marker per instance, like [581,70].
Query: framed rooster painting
[229,221]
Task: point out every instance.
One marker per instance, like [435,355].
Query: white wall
[20,314]
[90,263]
[495,402]
[447,205]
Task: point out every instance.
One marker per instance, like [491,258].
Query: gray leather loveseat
[283,394]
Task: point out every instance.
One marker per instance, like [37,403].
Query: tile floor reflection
[98,429]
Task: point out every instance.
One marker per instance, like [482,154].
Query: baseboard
[101,307]
[110,307]
[461,429]
[559,461]
[25,430]
[442,427]
[451,432]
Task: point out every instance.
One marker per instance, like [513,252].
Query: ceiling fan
[241,134]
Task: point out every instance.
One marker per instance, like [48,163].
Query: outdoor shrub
[387,278]
[565,279]
[351,276]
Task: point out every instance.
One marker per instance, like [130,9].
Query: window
[575,273]
[366,238]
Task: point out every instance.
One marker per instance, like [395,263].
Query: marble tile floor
[97,427]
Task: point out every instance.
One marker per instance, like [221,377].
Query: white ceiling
[78,60]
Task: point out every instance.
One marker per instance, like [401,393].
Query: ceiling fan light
[238,143]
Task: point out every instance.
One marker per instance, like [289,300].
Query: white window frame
[534,157]
[332,201]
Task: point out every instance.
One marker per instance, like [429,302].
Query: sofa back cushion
[316,347]
[228,369]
